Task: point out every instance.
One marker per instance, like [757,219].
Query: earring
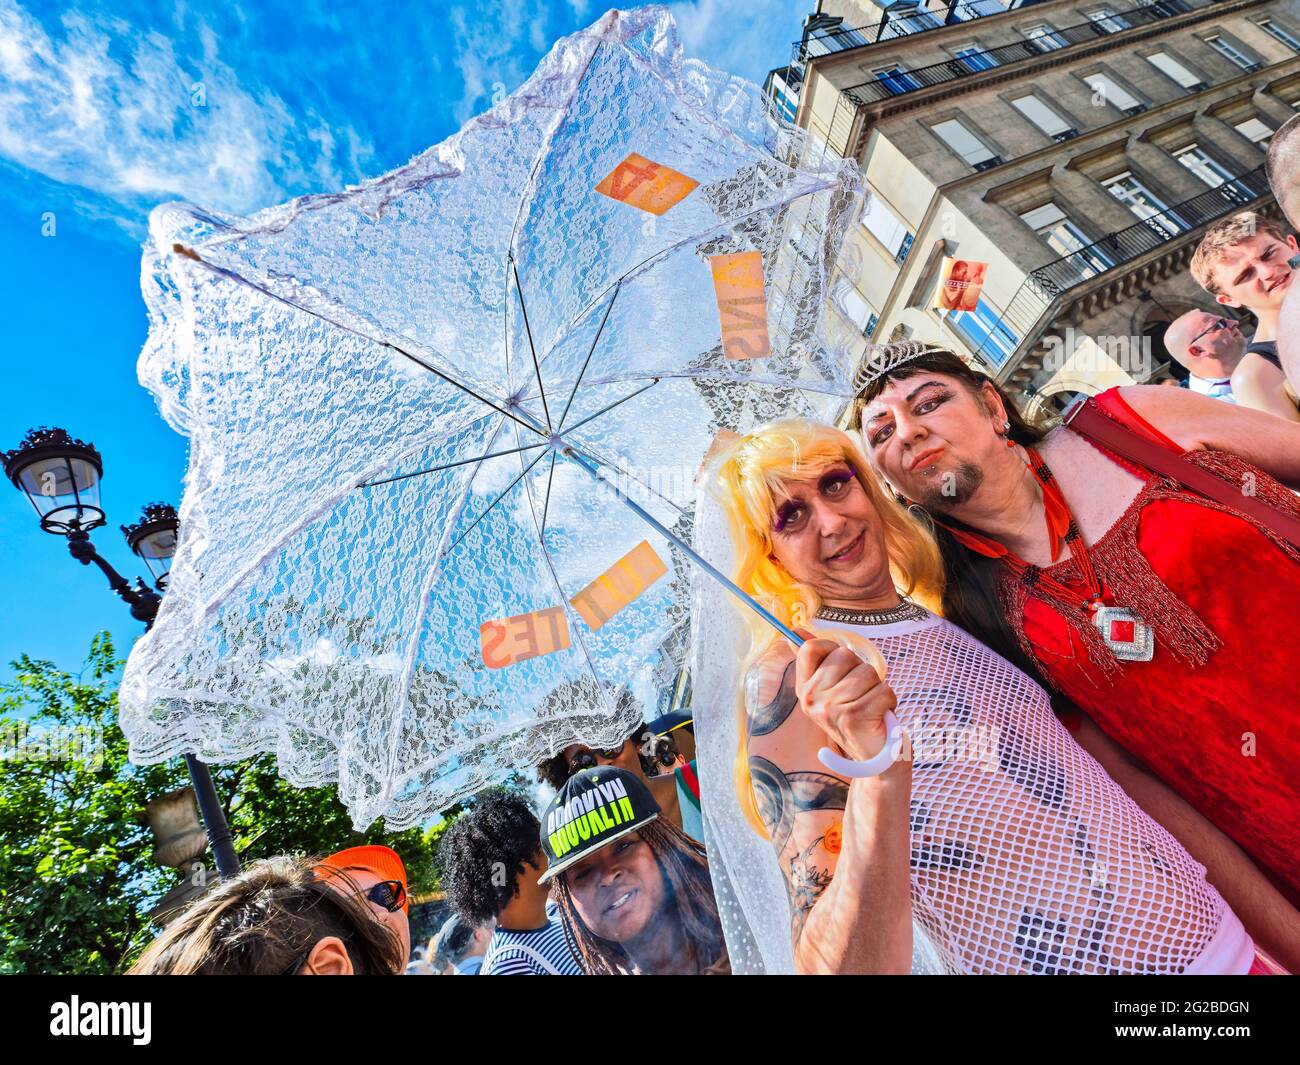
[1006,429]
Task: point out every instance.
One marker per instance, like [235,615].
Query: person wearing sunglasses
[278,917]
[1213,350]
[645,752]
[379,875]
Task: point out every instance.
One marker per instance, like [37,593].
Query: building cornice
[871,113]
[1245,84]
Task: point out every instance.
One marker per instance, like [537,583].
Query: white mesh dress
[1026,856]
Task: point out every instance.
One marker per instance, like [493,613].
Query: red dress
[1216,713]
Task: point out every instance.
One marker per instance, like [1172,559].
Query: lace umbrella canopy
[396,397]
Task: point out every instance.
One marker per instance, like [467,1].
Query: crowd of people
[1108,596]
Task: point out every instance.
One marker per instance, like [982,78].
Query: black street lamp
[60,477]
[153,538]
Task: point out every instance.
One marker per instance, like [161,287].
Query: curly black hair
[483,852]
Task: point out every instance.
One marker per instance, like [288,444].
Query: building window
[833,39]
[982,331]
[870,327]
[1170,67]
[1044,38]
[784,97]
[1231,52]
[852,305]
[962,141]
[896,80]
[1106,18]
[1199,163]
[1255,131]
[1112,93]
[1143,204]
[907,17]
[1274,30]
[904,248]
[1044,117]
[975,60]
[885,226]
[1066,239]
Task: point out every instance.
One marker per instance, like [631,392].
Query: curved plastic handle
[889,754]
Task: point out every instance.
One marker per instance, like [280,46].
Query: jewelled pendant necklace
[1125,634]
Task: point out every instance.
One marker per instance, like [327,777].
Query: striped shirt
[516,953]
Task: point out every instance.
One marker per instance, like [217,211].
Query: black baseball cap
[667,723]
[594,808]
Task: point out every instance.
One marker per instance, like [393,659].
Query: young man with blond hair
[1243,261]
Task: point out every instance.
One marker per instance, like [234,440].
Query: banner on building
[960,283]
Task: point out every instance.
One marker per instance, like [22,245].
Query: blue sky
[108,110]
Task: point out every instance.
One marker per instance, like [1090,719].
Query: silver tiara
[879,360]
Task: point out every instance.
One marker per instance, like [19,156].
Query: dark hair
[483,854]
[971,596]
[266,921]
[453,941]
[688,896]
[556,771]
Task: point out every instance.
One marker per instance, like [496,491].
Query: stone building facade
[1078,148]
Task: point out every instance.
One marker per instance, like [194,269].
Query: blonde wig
[746,480]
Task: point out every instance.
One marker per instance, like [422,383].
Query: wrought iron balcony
[1043,287]
[840,38]
[899,81]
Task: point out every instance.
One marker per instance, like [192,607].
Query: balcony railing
[900,81]
[842,38]
[1043,287]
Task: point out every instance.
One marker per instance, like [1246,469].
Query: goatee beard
[954,489]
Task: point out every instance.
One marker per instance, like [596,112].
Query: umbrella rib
[547,505]
[589,464]
[631,477]
[591,351]
[575,629]
[698,238]
[453,465]
[537,369]
[498,499]
[222,271]
[616,403]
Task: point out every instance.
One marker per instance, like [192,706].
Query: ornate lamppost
[60,476]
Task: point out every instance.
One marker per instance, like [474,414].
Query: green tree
[76,876]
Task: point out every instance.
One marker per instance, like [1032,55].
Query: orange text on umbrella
[619,585]
[742,307]
[505,641]
[647,185]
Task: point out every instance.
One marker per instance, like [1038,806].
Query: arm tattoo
[806,885]
[780,796]
[767,719]
[773,798]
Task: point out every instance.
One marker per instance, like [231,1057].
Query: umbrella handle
[570,452]
[874,766]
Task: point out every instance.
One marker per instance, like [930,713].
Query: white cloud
[495,48]
[745,37]
[133,116]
